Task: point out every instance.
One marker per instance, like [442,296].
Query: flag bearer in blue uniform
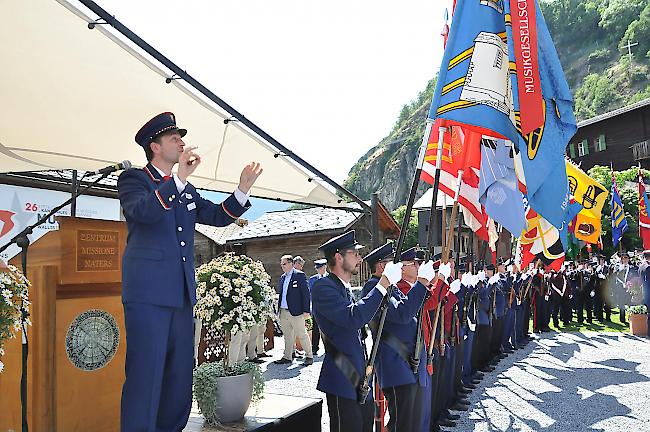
[377,261]
[404,388]
[341,318]
[158,285]
[644,273]
[483,336]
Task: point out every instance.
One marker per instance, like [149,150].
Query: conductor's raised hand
[249,175]
[187,162]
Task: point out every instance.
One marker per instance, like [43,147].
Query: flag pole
[436,185]
[452,220]
[364,387]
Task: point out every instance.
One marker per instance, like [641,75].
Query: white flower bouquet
[14,298]
[233,294]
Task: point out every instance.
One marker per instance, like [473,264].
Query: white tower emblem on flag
[487,81]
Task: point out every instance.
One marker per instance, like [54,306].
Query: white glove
[481,275]
[445,270]
[393,272]
[455,286]
[474,280]
[592,294]
[494,279]
[601,276]
[426,271]
[525,276]
[546,297]
[466,279]
[509,268]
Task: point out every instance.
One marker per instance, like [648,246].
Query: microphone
[124,165]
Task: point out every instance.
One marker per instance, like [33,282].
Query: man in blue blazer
[341,318]
[294,307]
[158,285]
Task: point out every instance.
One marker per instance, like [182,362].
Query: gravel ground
[295,379]
[565,382]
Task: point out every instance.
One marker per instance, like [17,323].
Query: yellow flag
[586,191]
[587,227]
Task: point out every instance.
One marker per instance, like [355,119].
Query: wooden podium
[77,343]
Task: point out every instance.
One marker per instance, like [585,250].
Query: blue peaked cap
[382,252]
[161,123]
[339,243]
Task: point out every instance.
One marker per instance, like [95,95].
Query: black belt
[342,362]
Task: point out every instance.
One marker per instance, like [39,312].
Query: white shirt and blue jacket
[159,288]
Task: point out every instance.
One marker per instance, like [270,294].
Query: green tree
[639,31]
[412,231]
[617,16]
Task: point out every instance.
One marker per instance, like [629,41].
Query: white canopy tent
[73,98]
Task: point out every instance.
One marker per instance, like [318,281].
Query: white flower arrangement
[14,296]
[233,294]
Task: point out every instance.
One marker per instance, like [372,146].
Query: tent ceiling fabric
[74,98]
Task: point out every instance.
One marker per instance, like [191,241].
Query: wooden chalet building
[300,232]
[620,137]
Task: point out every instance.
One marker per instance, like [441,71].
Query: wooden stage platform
[273,413]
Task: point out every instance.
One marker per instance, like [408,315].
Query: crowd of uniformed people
[440,327]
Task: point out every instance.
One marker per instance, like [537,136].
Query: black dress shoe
[487,369]
[462,401]
[470,386]
[282,361]
[459,407]
[453,417]
[446,423]
[476,381]
[464,391]
[263,355]
[308,361]
[256,360]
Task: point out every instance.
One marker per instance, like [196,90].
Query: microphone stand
[22,241]
[364,387]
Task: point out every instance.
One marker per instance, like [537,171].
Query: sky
[327,79]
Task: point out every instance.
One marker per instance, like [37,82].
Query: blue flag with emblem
[478,86]
[619,223]
[498,191]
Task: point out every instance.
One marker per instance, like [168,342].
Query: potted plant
[638,317]
[14,299]
[233,294]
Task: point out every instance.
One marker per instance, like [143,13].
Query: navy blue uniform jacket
[401,322]
[298,299]
[158,262]
[341,319]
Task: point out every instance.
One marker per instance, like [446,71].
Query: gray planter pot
[233,397]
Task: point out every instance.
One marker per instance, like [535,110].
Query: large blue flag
[498,191]
[619,223]
[478,86]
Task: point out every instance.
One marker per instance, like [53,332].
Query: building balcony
[641,150]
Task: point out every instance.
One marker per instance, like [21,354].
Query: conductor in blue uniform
[158,285]
[341,318]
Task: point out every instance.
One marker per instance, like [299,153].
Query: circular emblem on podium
[92,339]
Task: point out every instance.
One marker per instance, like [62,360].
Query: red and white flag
[644,219]
[461,151]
